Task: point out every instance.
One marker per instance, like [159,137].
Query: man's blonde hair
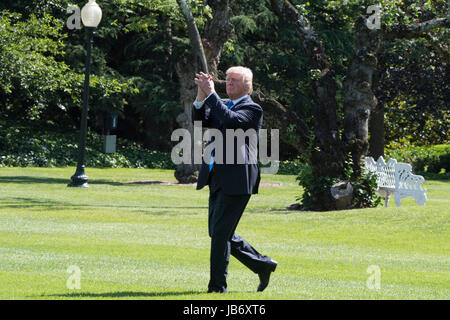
[247,75]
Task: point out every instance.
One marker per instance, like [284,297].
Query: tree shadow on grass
[54,205]
[65,181]
[93,181]
[51,205]
[124,294]
[279,211]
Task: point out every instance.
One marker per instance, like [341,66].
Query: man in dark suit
[231,183]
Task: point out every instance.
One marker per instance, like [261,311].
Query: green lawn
[150,241]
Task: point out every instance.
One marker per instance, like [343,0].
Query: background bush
[290,167]
[23,146]
[431,159]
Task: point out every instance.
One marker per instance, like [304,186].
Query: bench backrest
[405,179]
[385,171]
[397,177]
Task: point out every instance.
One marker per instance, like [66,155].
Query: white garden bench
[396,178]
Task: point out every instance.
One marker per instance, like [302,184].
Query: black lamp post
[91,15]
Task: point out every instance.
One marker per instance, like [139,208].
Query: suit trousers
[225,212]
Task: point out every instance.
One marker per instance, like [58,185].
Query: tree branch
[278,116]
[327,155]
[218,30]
[194,35]
[412,31]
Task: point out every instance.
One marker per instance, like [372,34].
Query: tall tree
[204,56]
[194,62]
[327,155]
[331,152]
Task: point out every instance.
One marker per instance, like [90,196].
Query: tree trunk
[359,98]
[186,69]
[327,158]
[376,119]
[376,129]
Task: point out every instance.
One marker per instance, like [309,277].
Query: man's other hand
[205,85]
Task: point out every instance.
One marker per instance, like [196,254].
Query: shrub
[431,159]
[23,146]
[311,186]
[290,167]
[26,146]
[364,191]
[364,187]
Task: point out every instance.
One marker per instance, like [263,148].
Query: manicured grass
[150,241]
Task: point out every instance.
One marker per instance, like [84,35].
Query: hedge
[23,146]
[430,159]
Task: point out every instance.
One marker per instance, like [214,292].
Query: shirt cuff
[199,104]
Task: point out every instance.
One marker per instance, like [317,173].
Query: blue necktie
[211,163]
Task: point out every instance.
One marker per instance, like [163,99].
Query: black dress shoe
[264,277]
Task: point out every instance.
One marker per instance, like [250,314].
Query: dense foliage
[25,146]
[415,94]
[45,148]
[432,159]
[137,49]
[139,42]
[36,83]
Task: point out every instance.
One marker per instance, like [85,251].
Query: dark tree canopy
[316,65]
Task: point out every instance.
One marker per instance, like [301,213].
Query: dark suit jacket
[233,178]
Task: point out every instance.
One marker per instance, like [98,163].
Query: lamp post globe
[91,15]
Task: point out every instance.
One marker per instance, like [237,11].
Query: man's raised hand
[205,85]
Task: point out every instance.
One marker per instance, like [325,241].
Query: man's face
[236,87]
